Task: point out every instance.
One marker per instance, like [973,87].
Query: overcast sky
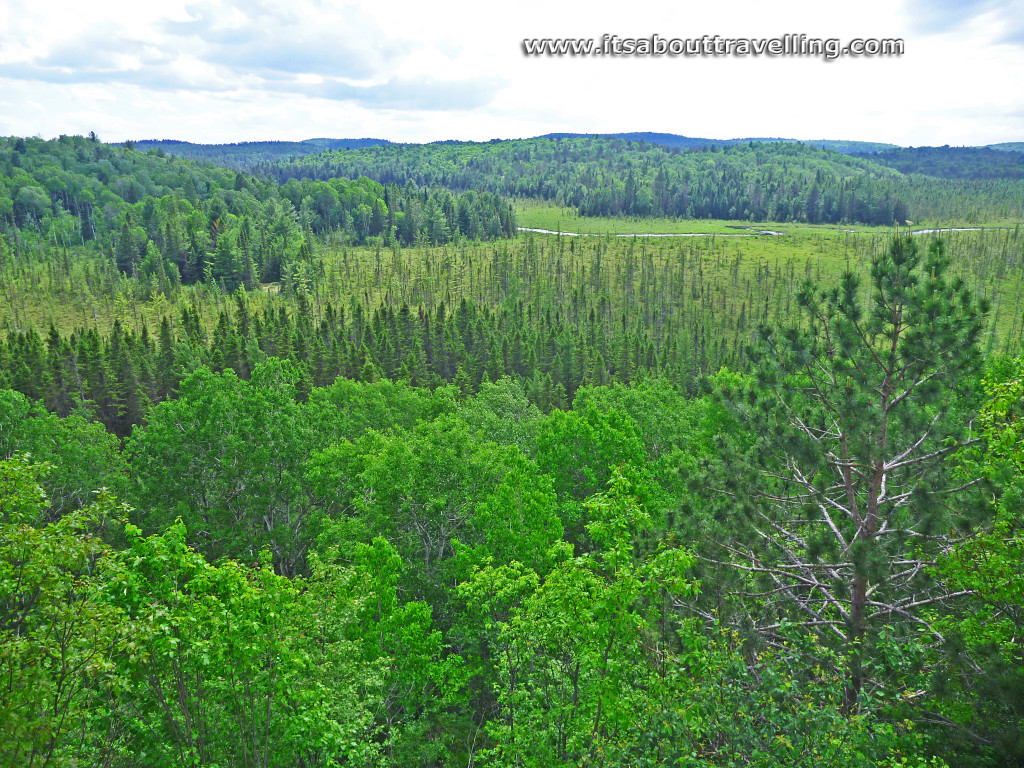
[423,71]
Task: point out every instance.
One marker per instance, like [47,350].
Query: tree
[225,266]
[444,498]
[501,412]
[226,457]
[577,651]
[856,412]
[578,450]
[979,686]
[57,633]
[83,454]
[234,665]
[128,244]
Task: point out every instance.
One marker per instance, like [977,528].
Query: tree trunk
[855,673]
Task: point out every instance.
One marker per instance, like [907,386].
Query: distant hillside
[1009,146]
[660,139]
[174,220]
[845,147]
[325,144]
[688,142]
[244,155]
[248,155]
[953,162]
[775,181]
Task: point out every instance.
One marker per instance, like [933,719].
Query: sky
[226,71]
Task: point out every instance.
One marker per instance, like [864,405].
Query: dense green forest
[689,142]
[557,313]
[176,221]
[450,496]
[777,181]
[1009,146]
[245,155]
[953,162]
[603,177]
[643,175]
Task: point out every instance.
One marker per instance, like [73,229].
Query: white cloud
[220,70]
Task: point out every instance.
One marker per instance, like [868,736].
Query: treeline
[246,155]
[602,177]
[243,155]
[174,221]
[117,378]
[953,162]
[689,142]
[778,181]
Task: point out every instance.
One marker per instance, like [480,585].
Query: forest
[327,463]
[689,142]
[953,162]
[245,155]
[777,181]
[180,222]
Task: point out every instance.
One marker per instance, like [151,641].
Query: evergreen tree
[855,414]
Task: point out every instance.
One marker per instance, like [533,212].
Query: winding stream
[751,233]
[755,233]
[945,229]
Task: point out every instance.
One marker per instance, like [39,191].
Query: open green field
[538,214]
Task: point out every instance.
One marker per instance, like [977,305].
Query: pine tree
[854,414]
[127,254]
[165,363]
